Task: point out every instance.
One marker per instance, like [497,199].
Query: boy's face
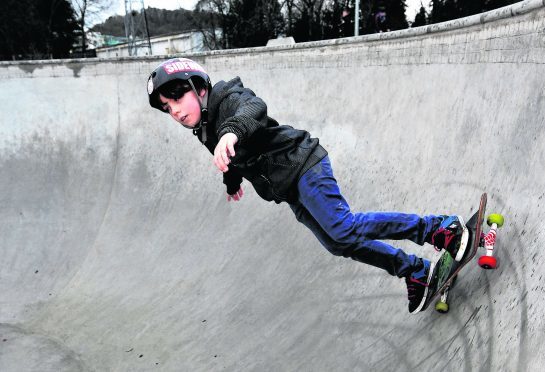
[186,110]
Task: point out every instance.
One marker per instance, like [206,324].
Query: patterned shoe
[417,286]
[452,235]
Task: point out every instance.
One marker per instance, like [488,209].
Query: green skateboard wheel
[441,307]
[495,218]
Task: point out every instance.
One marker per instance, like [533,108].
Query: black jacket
[271,157]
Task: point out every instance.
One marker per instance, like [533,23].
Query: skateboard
[447,269]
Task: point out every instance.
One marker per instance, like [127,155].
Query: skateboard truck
[442,304]
[488,261]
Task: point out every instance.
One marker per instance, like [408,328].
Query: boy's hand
[236,196]
[224,150]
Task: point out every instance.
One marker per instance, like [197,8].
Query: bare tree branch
[87,12]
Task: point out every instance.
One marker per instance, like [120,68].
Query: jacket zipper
[272,189]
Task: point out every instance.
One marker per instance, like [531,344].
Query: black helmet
[181,69]
[175,69]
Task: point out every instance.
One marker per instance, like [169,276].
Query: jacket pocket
[262,182]
[282,173]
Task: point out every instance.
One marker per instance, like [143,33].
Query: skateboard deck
[447,269]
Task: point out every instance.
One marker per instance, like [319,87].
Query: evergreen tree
[395,14]
[60,26]
[442,10]
[420,18]
[35,29]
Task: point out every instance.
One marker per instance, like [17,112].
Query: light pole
[357,19]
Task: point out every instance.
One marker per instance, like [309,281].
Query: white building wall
[190,42]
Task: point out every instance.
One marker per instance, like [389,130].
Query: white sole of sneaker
[425,297]
[463,243]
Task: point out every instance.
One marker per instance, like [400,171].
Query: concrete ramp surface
[119,252]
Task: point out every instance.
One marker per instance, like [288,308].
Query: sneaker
[417,286]
[452,235]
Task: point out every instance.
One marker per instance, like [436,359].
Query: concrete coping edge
[509,11]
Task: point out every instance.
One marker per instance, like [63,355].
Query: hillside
[160,22]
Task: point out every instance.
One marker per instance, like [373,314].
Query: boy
[287,165]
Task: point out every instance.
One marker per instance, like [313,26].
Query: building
[190,41]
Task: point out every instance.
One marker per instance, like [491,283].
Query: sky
[413,6]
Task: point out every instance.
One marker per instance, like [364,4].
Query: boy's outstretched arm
[236,196]
[233,181]
[224,151]
[245,114]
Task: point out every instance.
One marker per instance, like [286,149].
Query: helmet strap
[203,102]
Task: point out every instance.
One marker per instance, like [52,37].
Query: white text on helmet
[182,65]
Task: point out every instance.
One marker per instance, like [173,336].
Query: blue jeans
[322,208]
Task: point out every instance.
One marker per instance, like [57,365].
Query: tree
[214,22]
[87,12]
[446,10]
[337,20]
[60,25]
[290,5]
[421,18]
[31,29]
[257,21]
[395,13]
[442,10]
[375,16]
[384,15]
[308,25]
[263,20]
[239,23]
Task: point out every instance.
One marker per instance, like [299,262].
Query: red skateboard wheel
[488,262]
